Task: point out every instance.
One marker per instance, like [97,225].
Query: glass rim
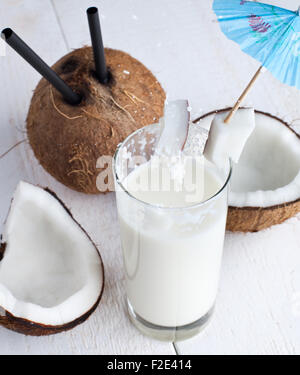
[120,184]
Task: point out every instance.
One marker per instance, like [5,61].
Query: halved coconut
[265,185]
[51,273]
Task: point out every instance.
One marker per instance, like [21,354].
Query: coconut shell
[254,219]
[30,328]
[68,140]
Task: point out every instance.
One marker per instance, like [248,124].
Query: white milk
[172,250]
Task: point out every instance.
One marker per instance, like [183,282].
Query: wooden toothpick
[244,94]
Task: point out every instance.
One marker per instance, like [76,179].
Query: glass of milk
[172,236]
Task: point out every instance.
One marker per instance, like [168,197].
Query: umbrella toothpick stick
[243,96]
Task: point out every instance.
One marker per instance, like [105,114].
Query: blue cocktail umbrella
[268,33]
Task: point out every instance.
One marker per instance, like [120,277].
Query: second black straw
[97,43]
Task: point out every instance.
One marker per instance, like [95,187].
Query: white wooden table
[258,310]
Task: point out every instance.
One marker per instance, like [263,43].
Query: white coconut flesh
[178,136]
[51,273]
[227,140]
[174,128]
[268,171]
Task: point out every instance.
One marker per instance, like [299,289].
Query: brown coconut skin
[29,328]
[255,219]
[68,140]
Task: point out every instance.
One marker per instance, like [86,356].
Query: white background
[258,310]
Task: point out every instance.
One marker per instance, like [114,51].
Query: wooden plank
[35,22]
[108,331]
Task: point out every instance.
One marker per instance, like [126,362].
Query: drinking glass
[172,256]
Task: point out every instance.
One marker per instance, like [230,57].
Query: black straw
[97,43]
[37,63]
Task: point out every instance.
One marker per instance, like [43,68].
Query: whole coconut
[68,140]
